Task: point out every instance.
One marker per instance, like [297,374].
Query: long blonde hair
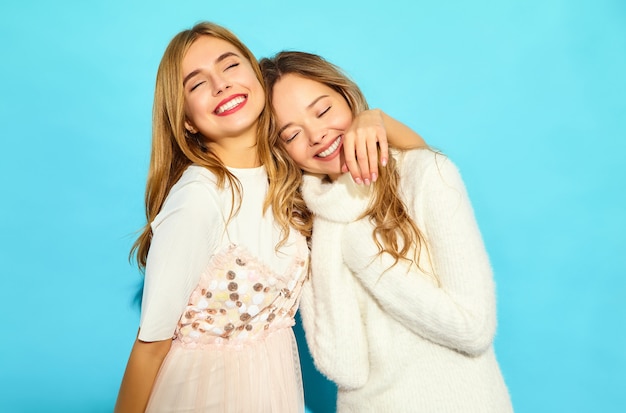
[398,233]
[174,148]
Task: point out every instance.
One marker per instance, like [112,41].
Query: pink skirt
[261,376]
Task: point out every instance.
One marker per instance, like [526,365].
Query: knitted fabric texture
[387,335]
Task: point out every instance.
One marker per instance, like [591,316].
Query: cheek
[188,111]
[251,80]
[192,106]
[347,119]
[295,152]
[342,119]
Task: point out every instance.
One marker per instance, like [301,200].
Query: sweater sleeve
[184,234]
[332,321]
[460,313]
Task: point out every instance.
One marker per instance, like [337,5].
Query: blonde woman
[400,312]
[224,251]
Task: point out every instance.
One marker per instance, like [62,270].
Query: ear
[190,128]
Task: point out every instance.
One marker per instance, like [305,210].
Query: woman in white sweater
[400,309]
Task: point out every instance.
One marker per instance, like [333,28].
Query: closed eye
[324,112]
[292,137]
[196,85]
[231,66]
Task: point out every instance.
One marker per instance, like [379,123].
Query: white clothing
[391,339]
[190,228]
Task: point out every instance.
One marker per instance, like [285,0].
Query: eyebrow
[219,59]
[309,106]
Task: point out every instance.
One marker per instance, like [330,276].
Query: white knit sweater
[394,341]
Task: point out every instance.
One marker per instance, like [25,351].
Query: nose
[220,84]
[316,132]
[316,137]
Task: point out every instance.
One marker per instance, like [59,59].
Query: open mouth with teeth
[231,105]
[331,149]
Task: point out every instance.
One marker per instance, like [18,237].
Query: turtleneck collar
[340,201]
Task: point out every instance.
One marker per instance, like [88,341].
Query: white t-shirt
[190,228]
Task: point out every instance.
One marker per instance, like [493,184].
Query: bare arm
[401,136]
[143,365]
[370,129]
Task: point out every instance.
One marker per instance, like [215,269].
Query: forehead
[205,50]
[292,80]
[295,90]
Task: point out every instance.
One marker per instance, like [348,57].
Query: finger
[384,148]
[350,157]
[372,156]
[362,154]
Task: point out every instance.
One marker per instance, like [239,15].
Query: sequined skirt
[259,376]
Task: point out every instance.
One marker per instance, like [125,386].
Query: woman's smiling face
[311,119]
[223,96]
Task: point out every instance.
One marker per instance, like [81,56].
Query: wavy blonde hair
[174,148]
[395,232]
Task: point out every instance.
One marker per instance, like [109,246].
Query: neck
[239,151]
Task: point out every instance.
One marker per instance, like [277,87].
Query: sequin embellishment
[239,298]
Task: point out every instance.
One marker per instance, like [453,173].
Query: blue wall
[528,97]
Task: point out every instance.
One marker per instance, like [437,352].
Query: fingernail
[358,181]
[367,181]
[374,177]
[384,161]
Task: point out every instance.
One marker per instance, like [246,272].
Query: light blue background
[528,97]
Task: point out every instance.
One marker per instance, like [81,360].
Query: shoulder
[195,174]
[195,192]
[424,172]
[420,159]
[195,181]
[424,163]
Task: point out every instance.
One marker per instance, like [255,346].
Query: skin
[361,160]
[316,123]
[223,100]
[215,75]
[143,365]
[312,120]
